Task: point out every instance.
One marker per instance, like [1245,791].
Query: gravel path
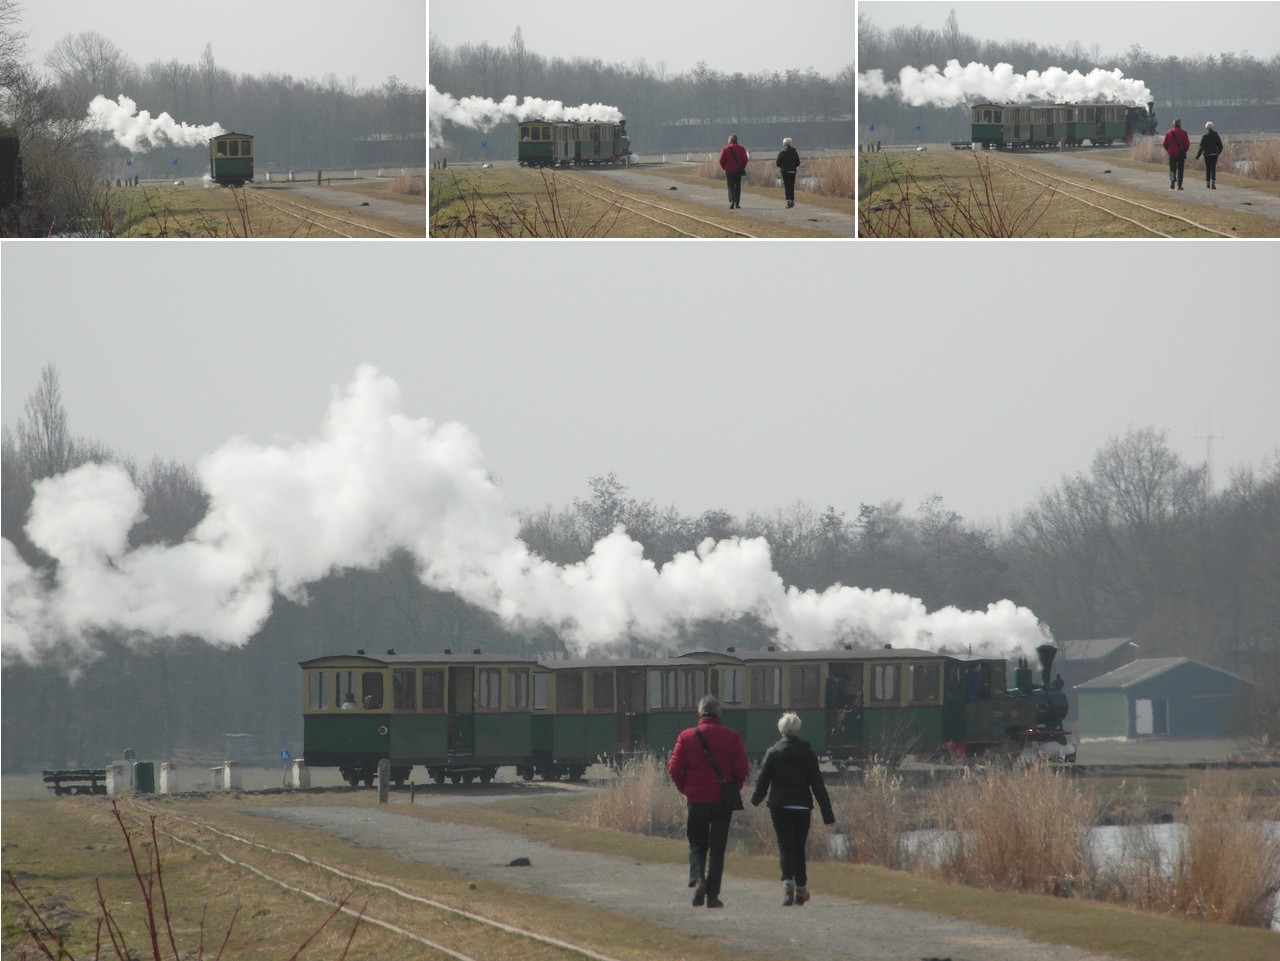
[415,214]
[1156,181]
[753,921]
[716,200]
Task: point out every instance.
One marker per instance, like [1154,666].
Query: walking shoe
[700,894]
[788,895]
[802,895]
[1214,185]
[1172,184]
[1179,186]
[714,902]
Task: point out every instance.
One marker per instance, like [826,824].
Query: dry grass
[1025,829]
[414,185]
[1261,158]
[822,176]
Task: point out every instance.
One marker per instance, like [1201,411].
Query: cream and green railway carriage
[231,159]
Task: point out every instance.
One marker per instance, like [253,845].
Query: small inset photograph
[1058,119]
[679,120]
[258,120]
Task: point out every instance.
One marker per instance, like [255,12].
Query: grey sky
[371,39]
[706,375]
[750,38]
[1165,27]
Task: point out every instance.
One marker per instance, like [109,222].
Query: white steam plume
[139,131]
[374,481]
[955,85]
[481,113]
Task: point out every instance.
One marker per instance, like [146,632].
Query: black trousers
[1177,163]
[789,184]
[708,831]
[1210,167]
[735,187]
[791,827]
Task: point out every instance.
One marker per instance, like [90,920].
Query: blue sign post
[285,758]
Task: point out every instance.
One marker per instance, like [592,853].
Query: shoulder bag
[729,793]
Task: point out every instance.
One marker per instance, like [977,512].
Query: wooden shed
[1170,696]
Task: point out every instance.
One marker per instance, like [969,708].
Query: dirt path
[350,200]
[754,205]
[1099,171]
[752,922]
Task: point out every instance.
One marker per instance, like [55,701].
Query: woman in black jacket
[789,775]
[789,163]
[1211,147]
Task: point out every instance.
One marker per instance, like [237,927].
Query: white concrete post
[299,774]
[231,779]
[168,777]
[117,777]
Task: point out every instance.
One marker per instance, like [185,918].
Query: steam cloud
[375,480]
[481,113]
[955,85]
[139,131]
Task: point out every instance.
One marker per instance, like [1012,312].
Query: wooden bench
[79,781]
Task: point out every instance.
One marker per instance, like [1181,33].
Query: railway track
[632,203]
[415,916]
[316,217]
[1151,219]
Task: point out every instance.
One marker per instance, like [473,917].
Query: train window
[344,688]
[319,700]
[371,690]
[884,684]
[569,691]
[539,692]
[693,686]
[433,690]
[602,690]
[246,147]
[404,692]
[490,690]
[518,690]
[924,683]
[220,148]
[766,686]
[662,689]
[804,686]
[731,685]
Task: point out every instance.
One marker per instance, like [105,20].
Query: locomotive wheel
[576,772]
[436,774]
[455,778]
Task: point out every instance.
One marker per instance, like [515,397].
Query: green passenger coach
[231,159]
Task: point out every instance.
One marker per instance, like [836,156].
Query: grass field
[198,210]
[900,189]
[512,201]
[60,851]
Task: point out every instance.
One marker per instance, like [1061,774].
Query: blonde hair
[789,724]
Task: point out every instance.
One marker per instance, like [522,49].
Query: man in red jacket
[699,753]
[733,159]
[1176,145]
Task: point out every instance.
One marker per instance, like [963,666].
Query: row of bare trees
[1136,545]
[649,94]
[298,123]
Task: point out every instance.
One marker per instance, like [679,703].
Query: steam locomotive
[463,716]
[1008,126]
[549,143]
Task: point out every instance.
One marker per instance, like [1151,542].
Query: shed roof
[1092,649]
[1143,669]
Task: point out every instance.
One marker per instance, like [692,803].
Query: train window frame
[661,695]
[766,686]
[404,689]
[433,690]
[541,688]
[372,690]
[518,690]
[731,685]
[690,693]
[317,695]
[885,683]
[602,683]
[924,681]
[806,680]
[246,148]
[569,692]
[488,689]
[220,148]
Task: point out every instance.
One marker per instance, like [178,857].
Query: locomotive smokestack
[1047,653]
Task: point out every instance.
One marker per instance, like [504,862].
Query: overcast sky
[372,39]
[729,37]
[742,377]
[1167,27]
